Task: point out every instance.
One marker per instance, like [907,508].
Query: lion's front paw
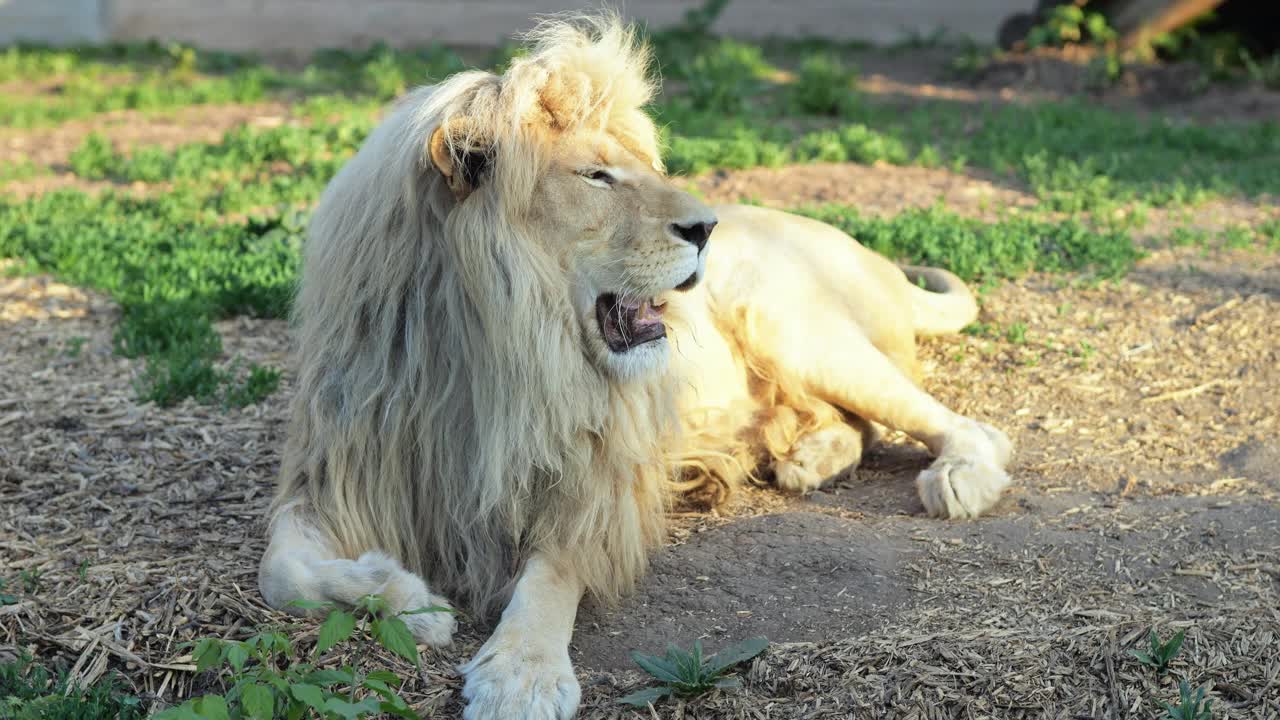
[433,628]
[954,487]
[507,682]
[405,591]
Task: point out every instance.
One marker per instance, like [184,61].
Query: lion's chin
[639,361]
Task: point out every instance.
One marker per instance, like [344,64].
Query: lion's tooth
[646,312]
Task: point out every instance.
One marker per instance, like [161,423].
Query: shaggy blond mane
[445,412]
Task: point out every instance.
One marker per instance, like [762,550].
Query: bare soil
[1147,494]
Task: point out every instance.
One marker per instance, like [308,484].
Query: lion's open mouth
[628,324]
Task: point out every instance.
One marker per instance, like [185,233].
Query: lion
[516,336]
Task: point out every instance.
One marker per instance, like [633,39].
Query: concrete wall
[268,25]
[52,21]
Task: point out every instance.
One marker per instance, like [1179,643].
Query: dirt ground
[1146,493]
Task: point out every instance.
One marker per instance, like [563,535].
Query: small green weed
[93,157]
[73,346]
[1269,233]
[1185,236]
[31,580]
[1160,654]
[687,674]
[1016,333]
[1237,237]
[21,169]
[265,680]
[258,383]
[1084,350]
[5,598]
[980,329]
[30,692]
[1189,707]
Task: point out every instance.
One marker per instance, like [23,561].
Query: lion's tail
[943,305]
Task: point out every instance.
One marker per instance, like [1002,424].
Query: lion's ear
[461,155]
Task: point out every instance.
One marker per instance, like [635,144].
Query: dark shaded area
[802,577]
[792,576]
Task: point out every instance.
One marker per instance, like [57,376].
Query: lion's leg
[301,564]
[821,455]
[835,360]
[523,671]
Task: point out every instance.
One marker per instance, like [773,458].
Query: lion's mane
[445,411]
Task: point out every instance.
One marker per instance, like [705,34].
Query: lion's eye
[600,176]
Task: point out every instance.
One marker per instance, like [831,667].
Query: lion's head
[481,323]
[561,143]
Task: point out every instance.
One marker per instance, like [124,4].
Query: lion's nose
[694,233]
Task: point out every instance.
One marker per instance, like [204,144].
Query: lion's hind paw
[956,487]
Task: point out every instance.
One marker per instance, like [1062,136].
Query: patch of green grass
[32,61]
[688,674]
[1075,157]
[746,148]
[31,692]
[151,77]
[978,250]
[315,151]
[174,268]
[20,170]
[83,96]
[1079,158]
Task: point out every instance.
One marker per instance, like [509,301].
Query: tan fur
[461,426]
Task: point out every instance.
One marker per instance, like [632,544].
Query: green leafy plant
[823,86]
[686,674]
[1160,654]
[258,383]
[724,76]
[1190,706]
[1069,23]
[265,680]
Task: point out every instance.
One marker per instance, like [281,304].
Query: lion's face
[629,239]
